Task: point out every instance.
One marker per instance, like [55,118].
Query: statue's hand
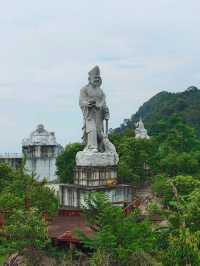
[91,103]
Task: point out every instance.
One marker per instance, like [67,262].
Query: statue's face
[96,81]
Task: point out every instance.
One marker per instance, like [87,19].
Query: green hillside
[164,105]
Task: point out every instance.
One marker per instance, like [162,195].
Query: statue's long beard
[96,85]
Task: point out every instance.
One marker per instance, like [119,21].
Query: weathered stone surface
[41,151]
[88,158]
[95,111]
[95,176]
[98,151]
[40,136]
[73,196]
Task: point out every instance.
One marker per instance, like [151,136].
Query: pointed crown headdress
[95,71]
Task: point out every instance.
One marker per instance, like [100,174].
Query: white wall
[42,168]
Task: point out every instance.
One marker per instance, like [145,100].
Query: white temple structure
[41,151]
[140,131]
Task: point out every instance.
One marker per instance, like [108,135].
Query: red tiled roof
[63,228]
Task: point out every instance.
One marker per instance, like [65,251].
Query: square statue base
[95,175]
[95,172]
[91,158]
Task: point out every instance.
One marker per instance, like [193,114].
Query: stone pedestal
[73,196]
[95,175]
[96,159]
[96,165]
[95,168]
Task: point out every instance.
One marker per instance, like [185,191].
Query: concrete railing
[10,155]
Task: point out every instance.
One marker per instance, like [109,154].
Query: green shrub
[163,189]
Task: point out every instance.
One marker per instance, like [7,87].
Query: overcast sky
[47,48]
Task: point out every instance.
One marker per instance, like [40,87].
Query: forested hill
[165,105]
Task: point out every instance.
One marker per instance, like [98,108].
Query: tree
[163,187]
[183,248]
[175,163]
[178,136]
[136,159]
[10,202]
[25,232]
[185,184]
[24,201]
[114,233]
[24,192]
[66,162]
[179,240]
[6,176]
[178,149]
[43,198]
[193,210]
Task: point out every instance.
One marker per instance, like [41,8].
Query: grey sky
[47,47]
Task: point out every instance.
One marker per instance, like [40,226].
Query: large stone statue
[96,164]
[95,111]
[95,128]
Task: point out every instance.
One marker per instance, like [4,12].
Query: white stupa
[140,131]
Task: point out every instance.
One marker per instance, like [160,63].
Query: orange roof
[63,228]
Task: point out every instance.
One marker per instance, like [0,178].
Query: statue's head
[94,77]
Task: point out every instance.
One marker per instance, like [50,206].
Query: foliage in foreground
[171,161]
[179,241]
[115,235]
[25,229]
[132,240]
[24,203]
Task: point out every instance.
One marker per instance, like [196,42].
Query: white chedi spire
[140,131]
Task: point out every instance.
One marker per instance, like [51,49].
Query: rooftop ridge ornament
[40,136]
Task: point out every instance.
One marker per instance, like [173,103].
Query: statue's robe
[93,116]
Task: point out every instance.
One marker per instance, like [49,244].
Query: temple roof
[40,136]
[64,226]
